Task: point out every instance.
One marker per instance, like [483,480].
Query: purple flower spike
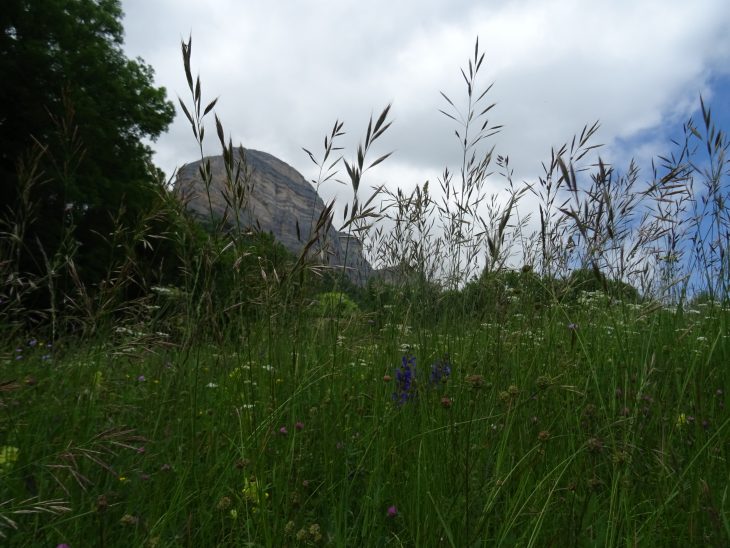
[405,380]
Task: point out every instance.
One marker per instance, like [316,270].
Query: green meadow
[591,424]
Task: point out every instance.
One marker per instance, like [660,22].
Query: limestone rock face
[278,198]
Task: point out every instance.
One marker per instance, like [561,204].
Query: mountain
[278,198]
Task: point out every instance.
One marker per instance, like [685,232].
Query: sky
[286,70]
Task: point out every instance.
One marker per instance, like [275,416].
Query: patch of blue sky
[667,140]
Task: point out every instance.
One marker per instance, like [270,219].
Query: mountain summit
[279,198]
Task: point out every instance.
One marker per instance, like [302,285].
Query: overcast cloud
[286,70]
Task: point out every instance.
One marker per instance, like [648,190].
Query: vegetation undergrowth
[598,424]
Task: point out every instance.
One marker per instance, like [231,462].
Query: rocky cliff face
[278,199]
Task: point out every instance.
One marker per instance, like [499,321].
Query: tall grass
[456,400]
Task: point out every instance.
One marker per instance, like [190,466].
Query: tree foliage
[68,88]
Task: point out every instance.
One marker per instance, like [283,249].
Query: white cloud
[286,70]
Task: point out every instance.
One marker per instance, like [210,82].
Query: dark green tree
[68,86]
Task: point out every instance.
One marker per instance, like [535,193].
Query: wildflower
[446,402]
[252,493]
[543,382]
[405,380]
[141,378]
[224,503]
[314,532]
[681,420]
[392,511]
[101,503]
[211,385]
[32,342]
[295,498]
[595,445]
[509,395]
[283,431]
[476,381]
[387,378]
[543,436]
[8,455]
[299,426]
[129,519]
[440,371]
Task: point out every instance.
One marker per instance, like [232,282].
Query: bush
[336,304]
